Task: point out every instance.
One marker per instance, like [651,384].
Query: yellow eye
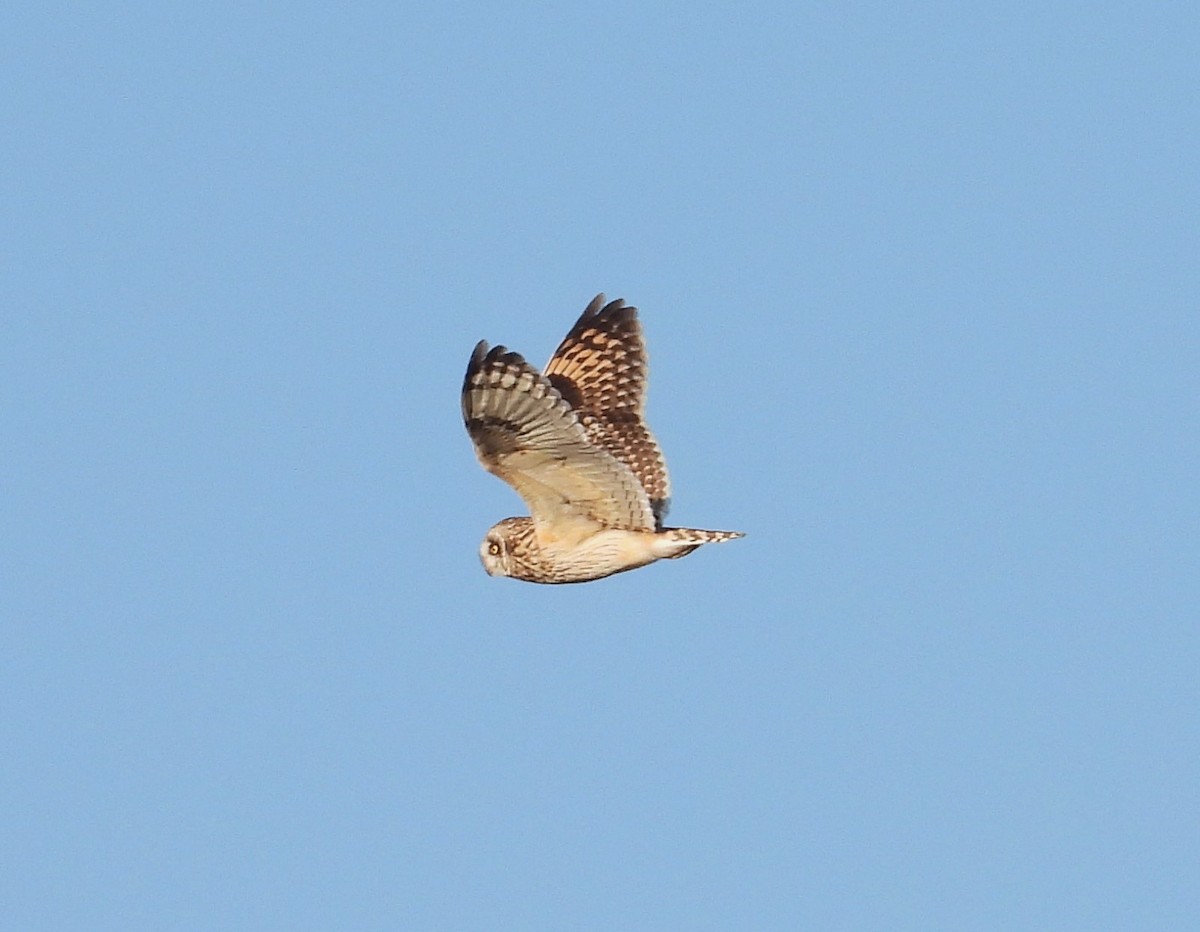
[494,549]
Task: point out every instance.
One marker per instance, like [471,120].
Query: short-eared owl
[573,443]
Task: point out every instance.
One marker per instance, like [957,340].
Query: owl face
[493,553]
[508,548]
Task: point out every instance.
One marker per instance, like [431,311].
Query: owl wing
[600,370]
[526,434]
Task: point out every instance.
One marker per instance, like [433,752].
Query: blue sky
[920,288]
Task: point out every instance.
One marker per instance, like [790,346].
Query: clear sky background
[921,289]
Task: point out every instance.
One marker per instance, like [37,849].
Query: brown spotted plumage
[600,369]
[574,444]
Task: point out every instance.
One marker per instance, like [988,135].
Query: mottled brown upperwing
[600,369]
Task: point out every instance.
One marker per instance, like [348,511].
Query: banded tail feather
[671,543]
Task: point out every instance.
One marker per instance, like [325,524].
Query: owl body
[513,548]
[574,444]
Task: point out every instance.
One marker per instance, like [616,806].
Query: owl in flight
[573,443]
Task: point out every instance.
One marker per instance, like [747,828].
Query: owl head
[505,545]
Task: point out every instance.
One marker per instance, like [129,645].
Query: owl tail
[672,543]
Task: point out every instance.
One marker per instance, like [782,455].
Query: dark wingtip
[594,306]
[477,356]
[482,355]
[598,308]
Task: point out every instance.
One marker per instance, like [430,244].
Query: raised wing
[526,434]
[600,370]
